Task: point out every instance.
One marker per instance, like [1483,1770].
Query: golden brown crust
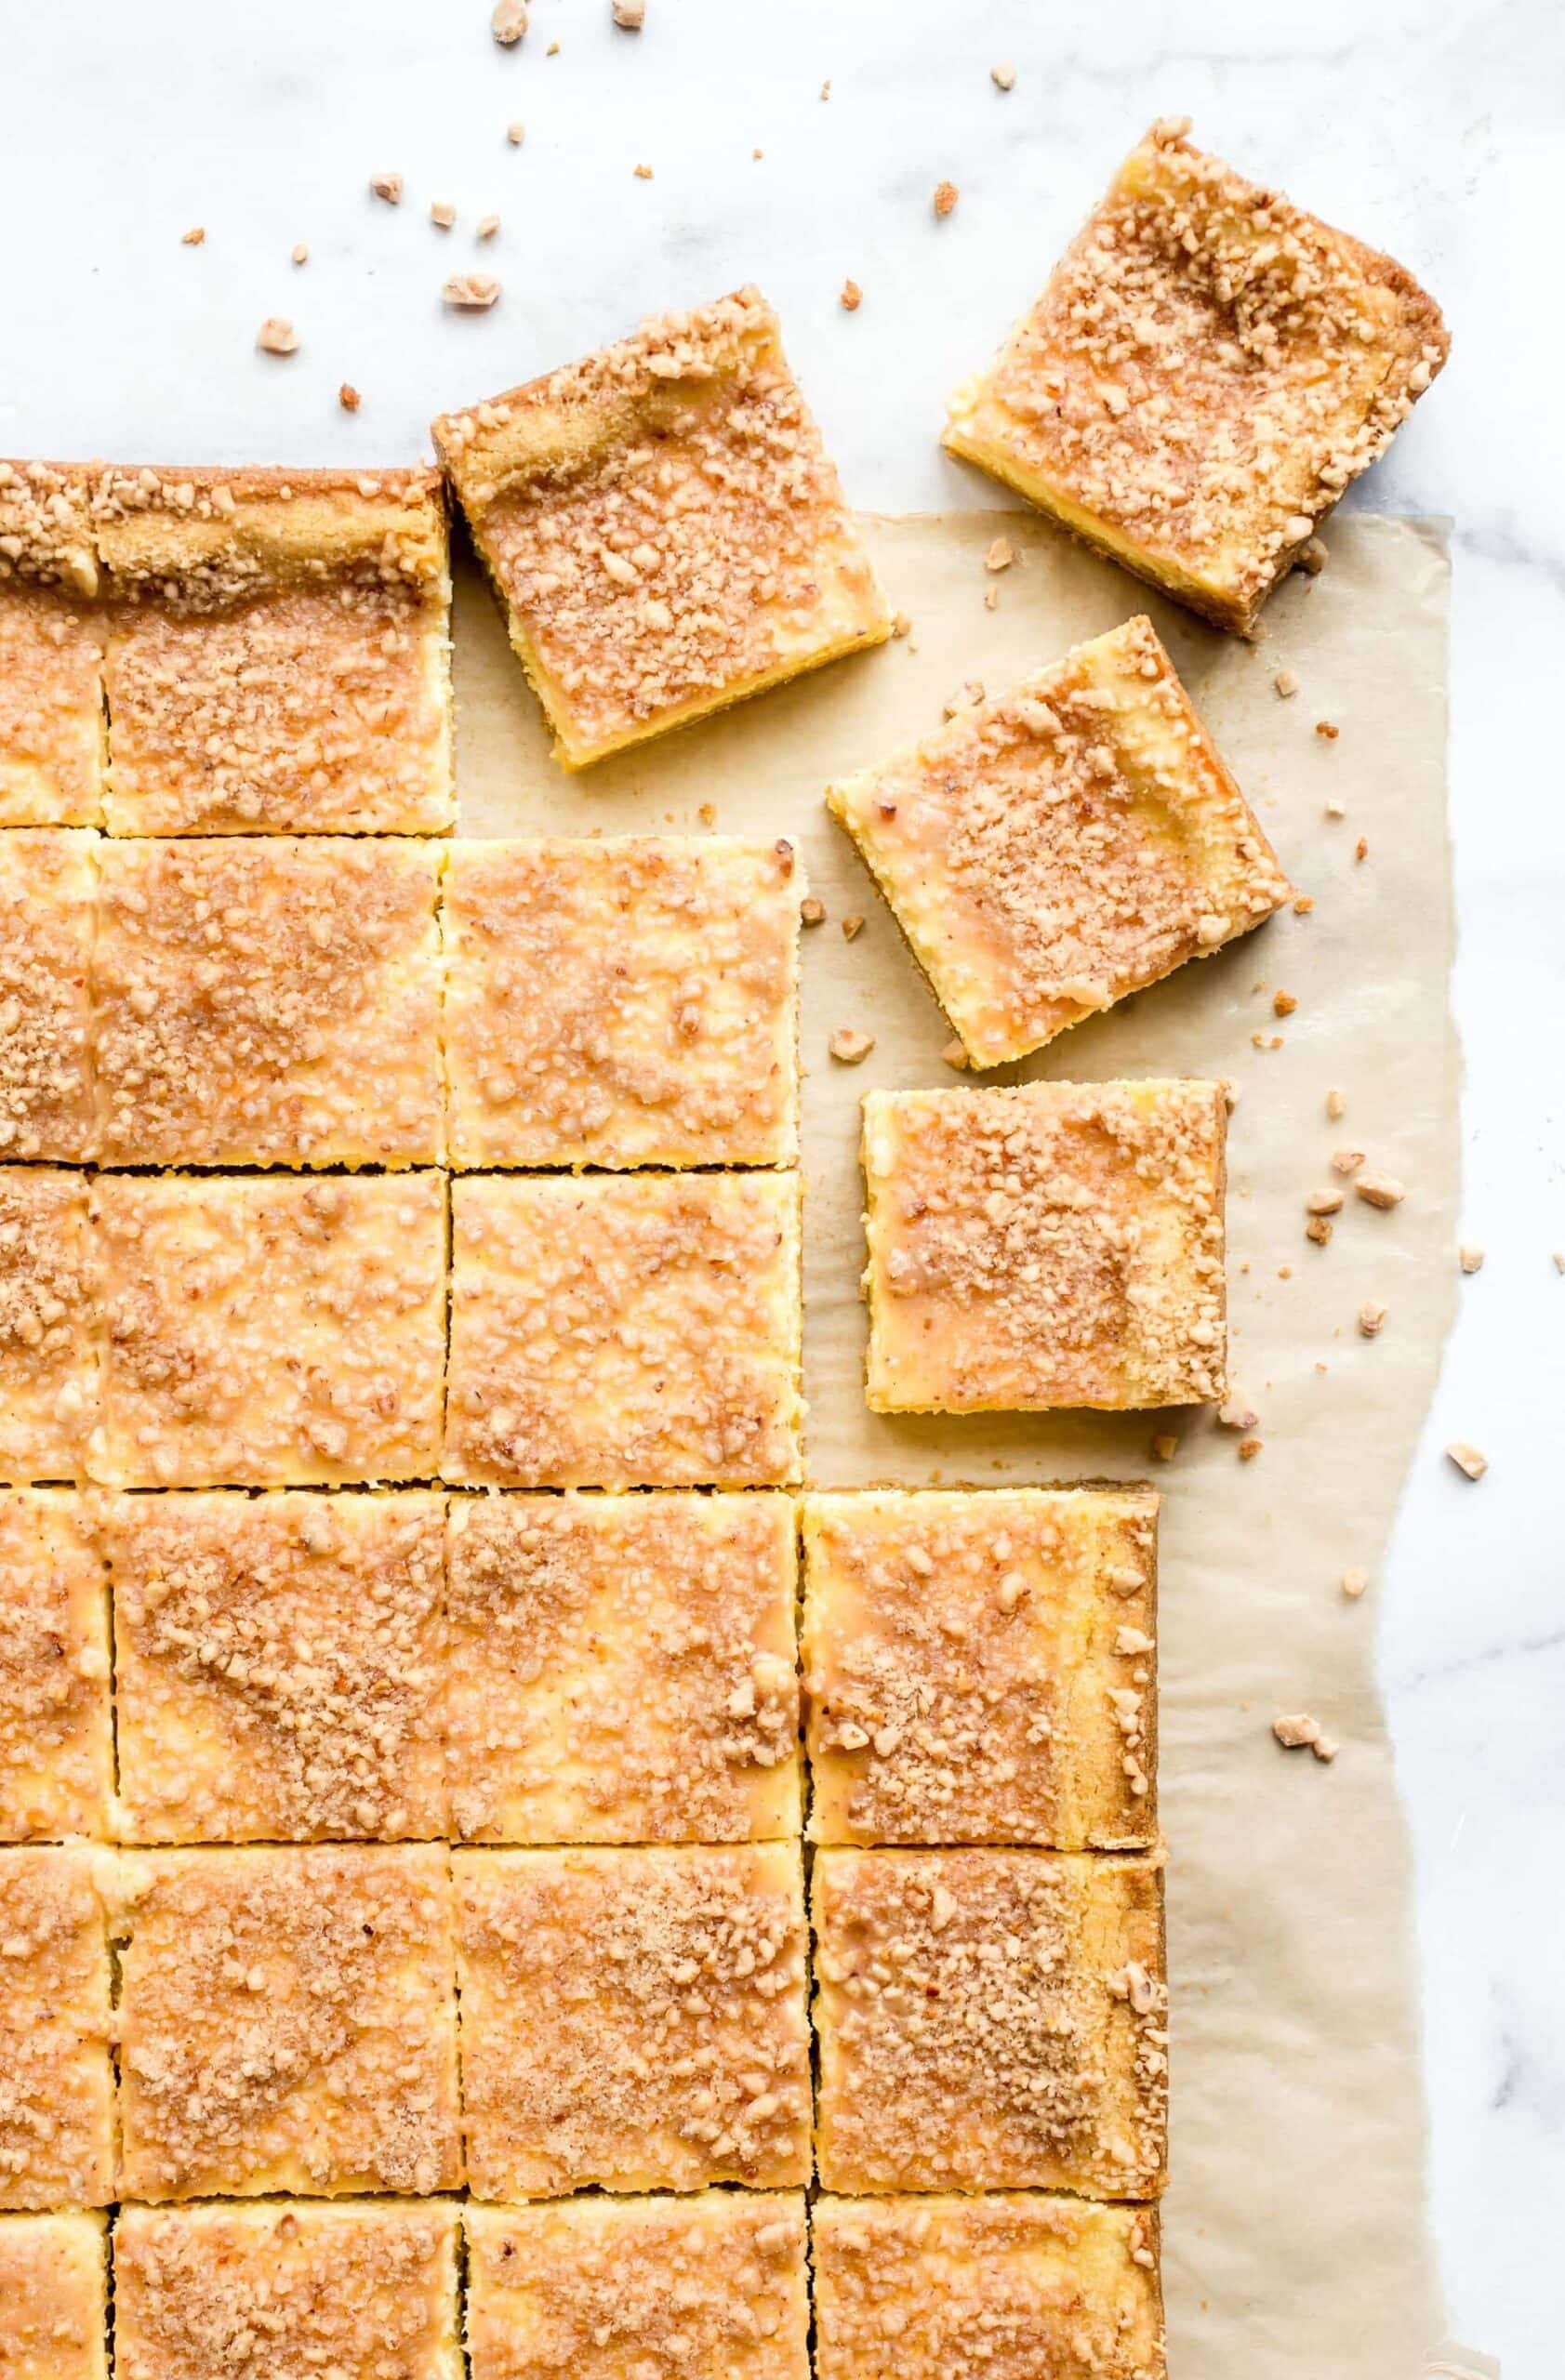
[57,2086]
[54,2291]
[49,1300]
[56,1753]
[633,2019]
[46,526]
[990,2020]
[48,880]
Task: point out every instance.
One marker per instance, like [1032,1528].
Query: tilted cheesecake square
[633,2019]
[626,1003]
[47,884]
[268,1000]
[273,1332]
[288,2022]
[980,1667]
[1206,371]
[56,2085]
[48,1357]
[622,1669]
[625,1332]
[278,1663]
[1062,845]
[1012,2286]
[56,1770]
[359,2292]
[1054,1244]
[51,649]
[663,527]
[990,2020]
[706,2287]
[279,652]
[54,2297]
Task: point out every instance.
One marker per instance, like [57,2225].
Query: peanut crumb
[955,1055]
[487,227]
[1311,557]
[1336,809]
[349,398]
[1559,1260]
[1371,1319]
[277,335]
[900,624]
[553,50]
[195,237]
[1286,684]
[1323,1203]
[1165,1446]
[707,813]
[1234,1413]
[1336,1104]
[850,1048]
[1346,1160]
[1303,903]
[826,89]
[443,215]
[812,912]
[509,22]
[1294,1730]
[1380,1190]
[1470,1257]
[1467,1458]
[1003,77]
[516,132]
[471,291]
[852,925]
[1324,727]
[629,15]
[1283,1003]
[946,195]
[1354,1583]
[1000,555]
[387,186]
[1319,1230]
[851,297]
[643,173]
[1249,1448]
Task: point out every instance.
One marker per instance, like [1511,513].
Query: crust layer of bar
[1062,845]
[56,1749]
[49,1365]
[51,666]
[56,2085]
[54,2297]
[48,881]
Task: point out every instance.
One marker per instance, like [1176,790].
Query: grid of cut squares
[51,669]
[54,2296]
[57,1762]
[57,2084]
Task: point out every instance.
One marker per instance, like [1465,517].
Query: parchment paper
[1295,2243]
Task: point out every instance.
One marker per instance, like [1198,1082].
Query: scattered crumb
[1294,1730]
[302,254]
[852,925]
[1379,1190]
[1319,1230]
[968,695]
[1336,1104]
[643,173]
[1003,77]
[955,1055]
[812,912]
[1249,1448]
[991,599]
[1311,556]
[471,291]
[850,1049]
[349,398]
[387,186]
[1324,727]
[851,297]
[277,335]
[1346,1160]
[509,22]
[1372,1316]
[1323,1203]
[1559,1260]
[193,237]
[1354,1583]
[1000,555]
[826,89]
[946,195]
[1235,1414]
[758,154]
[1337,810]
[516,133]
[900,624]
[1283,1003]
[1471,1258]
[553,50]
[443,215]
[1467,1458]
[487,227]
[1361,849]
[1286,684]
[1165,1447]
[1303,903]
[629,15]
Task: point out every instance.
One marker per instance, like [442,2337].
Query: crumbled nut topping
[1379,1190]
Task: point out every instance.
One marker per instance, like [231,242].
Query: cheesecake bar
[712,2286]
[980,1666]
[47,881]
[54,2297]
[1010,2287]
[663,527]
[288,2022]
[272,1331]
[633,2019]
[622,1669]
[1207,370]
[278,1665]
[56,2085]
[56,1769]
[352,2291]
[629,1330]
[51,649]
[268,1000]
[49,1358]
[632,1001]
[278,657]
[990,2020]
[1054,1244]
[1054,850]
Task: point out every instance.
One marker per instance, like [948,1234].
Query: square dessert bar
[54,2296]
[279,1662]
[56,1770]
[1053,1244]
[274,1332]
[57,2084]
[48,883]
[626,1003]
[622,1669]
[1009,2285]
[708,2287]
[279,652]
[51,649]
[268,1000]
[48,1356]
[633,2019]
[1206,371]
[288,2022]
[1062,845]
[980,1666]
[663,527]
[990,2020]
[358,2292]
[638,1330]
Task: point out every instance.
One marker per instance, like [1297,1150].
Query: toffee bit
[509,22]
[1380,1190]
[1468,1460]
[1287,685]
[707,813]
[1249,1448]
[1371,1319]
[387,186]
[195,237]
[1283,1003]
[946,195]
[472,292]
[1324,727]
[277,335]
[850,1048]
[1354,1583]
[1003,77]
[629,15]
[1471,1258]
[349,398]
[955,1055]
[852,925]
[851,297]
[812,912]
[1361,849]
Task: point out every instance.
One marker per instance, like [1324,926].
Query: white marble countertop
[1426,126]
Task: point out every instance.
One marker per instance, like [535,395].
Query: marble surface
[1427,128]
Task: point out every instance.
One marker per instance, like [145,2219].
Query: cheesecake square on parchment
[353,2291]
[279,1660]
[287,2021]
[980,1667]
[54,2296]
[268,1000]
[622,1669]
[633,2019]
[712,2286]
[56,1769]
[629,1330]
[1207,370]
[632,1001]
[57,2084]
[990,2020]
[51,649]
[48,1332]
[271,1330]
[1050,1244]
[48,885]
[279,652]
[947,2288]
[1062,845]
[663,527]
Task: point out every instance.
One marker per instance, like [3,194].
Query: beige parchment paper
[1296,2239]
